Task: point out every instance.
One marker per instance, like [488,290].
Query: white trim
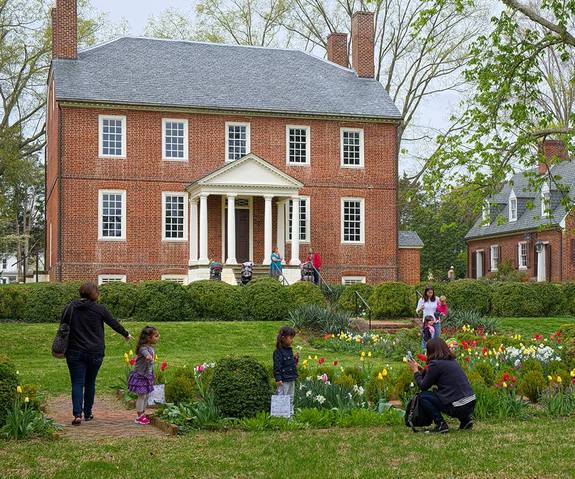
[512,198]
[349,280]
[519,256]
[250,207]
[494,267]
[307,223]
[361,147]
[101,119]
[486,213]
[50,245]
[307,145]
[185,224]
[111,278]
[248,139]
[545,201]
[362,224]
[176,278]
[101,193]
[186,137]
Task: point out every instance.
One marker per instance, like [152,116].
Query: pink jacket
[442,309]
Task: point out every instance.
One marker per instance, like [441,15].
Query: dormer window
[545,200]
[486,214]
[512,207]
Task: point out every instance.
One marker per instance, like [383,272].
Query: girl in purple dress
[141,378]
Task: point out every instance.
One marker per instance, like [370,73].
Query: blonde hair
[443,299]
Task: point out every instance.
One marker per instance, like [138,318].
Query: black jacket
[87,326]
[285,365]
[450,379]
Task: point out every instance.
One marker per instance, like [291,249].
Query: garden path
[111,420]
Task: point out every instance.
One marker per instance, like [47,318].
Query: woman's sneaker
[466,423]
[142,420]
[441,428]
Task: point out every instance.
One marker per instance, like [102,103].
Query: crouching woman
[453,396]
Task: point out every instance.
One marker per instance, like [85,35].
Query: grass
[523,450]
[531,326]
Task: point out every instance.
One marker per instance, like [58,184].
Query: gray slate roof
[228,77]
[409,239]
[527,218]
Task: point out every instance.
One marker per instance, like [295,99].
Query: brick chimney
[337,48]
[362,38]
[65,30]
[551,150]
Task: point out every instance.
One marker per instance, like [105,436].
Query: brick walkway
[111,419]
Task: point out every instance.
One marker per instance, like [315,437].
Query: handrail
[359,297]
[322,282]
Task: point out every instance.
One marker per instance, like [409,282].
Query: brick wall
[362,43]
[144,176]
[409,265]
[65,29]
[337,48]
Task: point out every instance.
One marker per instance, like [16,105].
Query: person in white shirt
[428,304]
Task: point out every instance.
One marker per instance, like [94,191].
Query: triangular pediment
[250,170]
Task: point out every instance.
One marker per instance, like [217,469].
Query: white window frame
[111,278]
[101,194]
[494,266]
[349,280]
[361,147]
[307,224]
[101,119]
[486,213]
[520,256]
[186,137]
[186,207]
[362,224]
[176,278]
[307,145]
[248,138]
[512,200]
[545,201]
[50,245]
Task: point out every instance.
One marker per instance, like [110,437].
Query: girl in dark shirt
[285,363]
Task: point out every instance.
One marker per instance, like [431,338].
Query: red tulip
[321,360]
[506,377]
[163,366]
[468,359]
[538,337]
[335,363]
[422,357]
[132,361]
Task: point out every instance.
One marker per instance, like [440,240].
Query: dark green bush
[120,298]
[333,293]
[347,299]
[8,385]
[569,294]
[47,301]
[532,384]
[304,292]
[266,299]
[216,300]
[13,298]
[486,371]
[241,387]
[163,301]
[438,286]
[468,295]
[392,300]
[526,299]
[181,388]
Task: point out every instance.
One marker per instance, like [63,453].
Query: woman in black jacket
[85,351]
[453,395]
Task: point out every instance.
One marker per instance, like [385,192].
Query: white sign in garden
[281,405]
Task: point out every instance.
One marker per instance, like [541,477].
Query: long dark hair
[437,348]
[425,298]
[145,336]
[285,331]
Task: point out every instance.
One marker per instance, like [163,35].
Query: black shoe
[88,418]
[441,428]
[77,421]
[466,423]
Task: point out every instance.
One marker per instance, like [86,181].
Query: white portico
[238,183]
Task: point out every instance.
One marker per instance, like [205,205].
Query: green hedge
[163,301]
[392,300]
[8,385]
[347,298]
[216,300]
[266,299]
[303,293]
[120,298]
[46,302]
[468,295]
[527,299]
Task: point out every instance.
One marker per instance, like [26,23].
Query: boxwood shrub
[13,298]
[216,300]
[569,295]
[266,299]
[347,298]
[526,299]
[303,293]
[120,298]
[468,295]
[392,300]
[8,384]
[241,387]
[163,301]
[46,301]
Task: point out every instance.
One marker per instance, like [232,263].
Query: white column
[203,230]
[231,259]
[295,232]
[280,228]
[541,266]
[193,236]
[267,229]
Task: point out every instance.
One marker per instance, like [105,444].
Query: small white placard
[281,405]
[157,396]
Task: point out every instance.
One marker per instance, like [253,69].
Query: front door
[242,235]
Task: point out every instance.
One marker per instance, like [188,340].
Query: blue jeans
[434,407]
[437,327]
[83,369]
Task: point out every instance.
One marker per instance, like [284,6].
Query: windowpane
[174,140]
[174,216]
[298,145]
[352,221]
[237,141]
[112,215]
[351,148]
[303,219]
[112,136]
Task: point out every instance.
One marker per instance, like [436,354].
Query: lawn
[533,449]
[531,326]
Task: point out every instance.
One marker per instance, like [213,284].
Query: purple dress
[141,378]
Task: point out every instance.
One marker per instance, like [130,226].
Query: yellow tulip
[26,399]
[362,359]
[404,359]
[131,353]
[369,354]
[363,354]
[315,357]
[19,389]
[504,384]
[304,362]
[573,373]
[384,372]
[550,378]
[380,377]
[559,379]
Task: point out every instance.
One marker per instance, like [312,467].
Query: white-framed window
[174,216]
[111,215]
[112,136]
[348,280]
[175,278]
[545,200]
[522,254]
[304,219]
[512,206]
[111,278]
[174,139]
[298,145]
[4,263]
[237,140]
[351,147]
[353,220]
[494,257]
[4,280]
[486,213]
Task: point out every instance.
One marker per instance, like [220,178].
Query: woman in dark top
[453,395]
[85,351]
